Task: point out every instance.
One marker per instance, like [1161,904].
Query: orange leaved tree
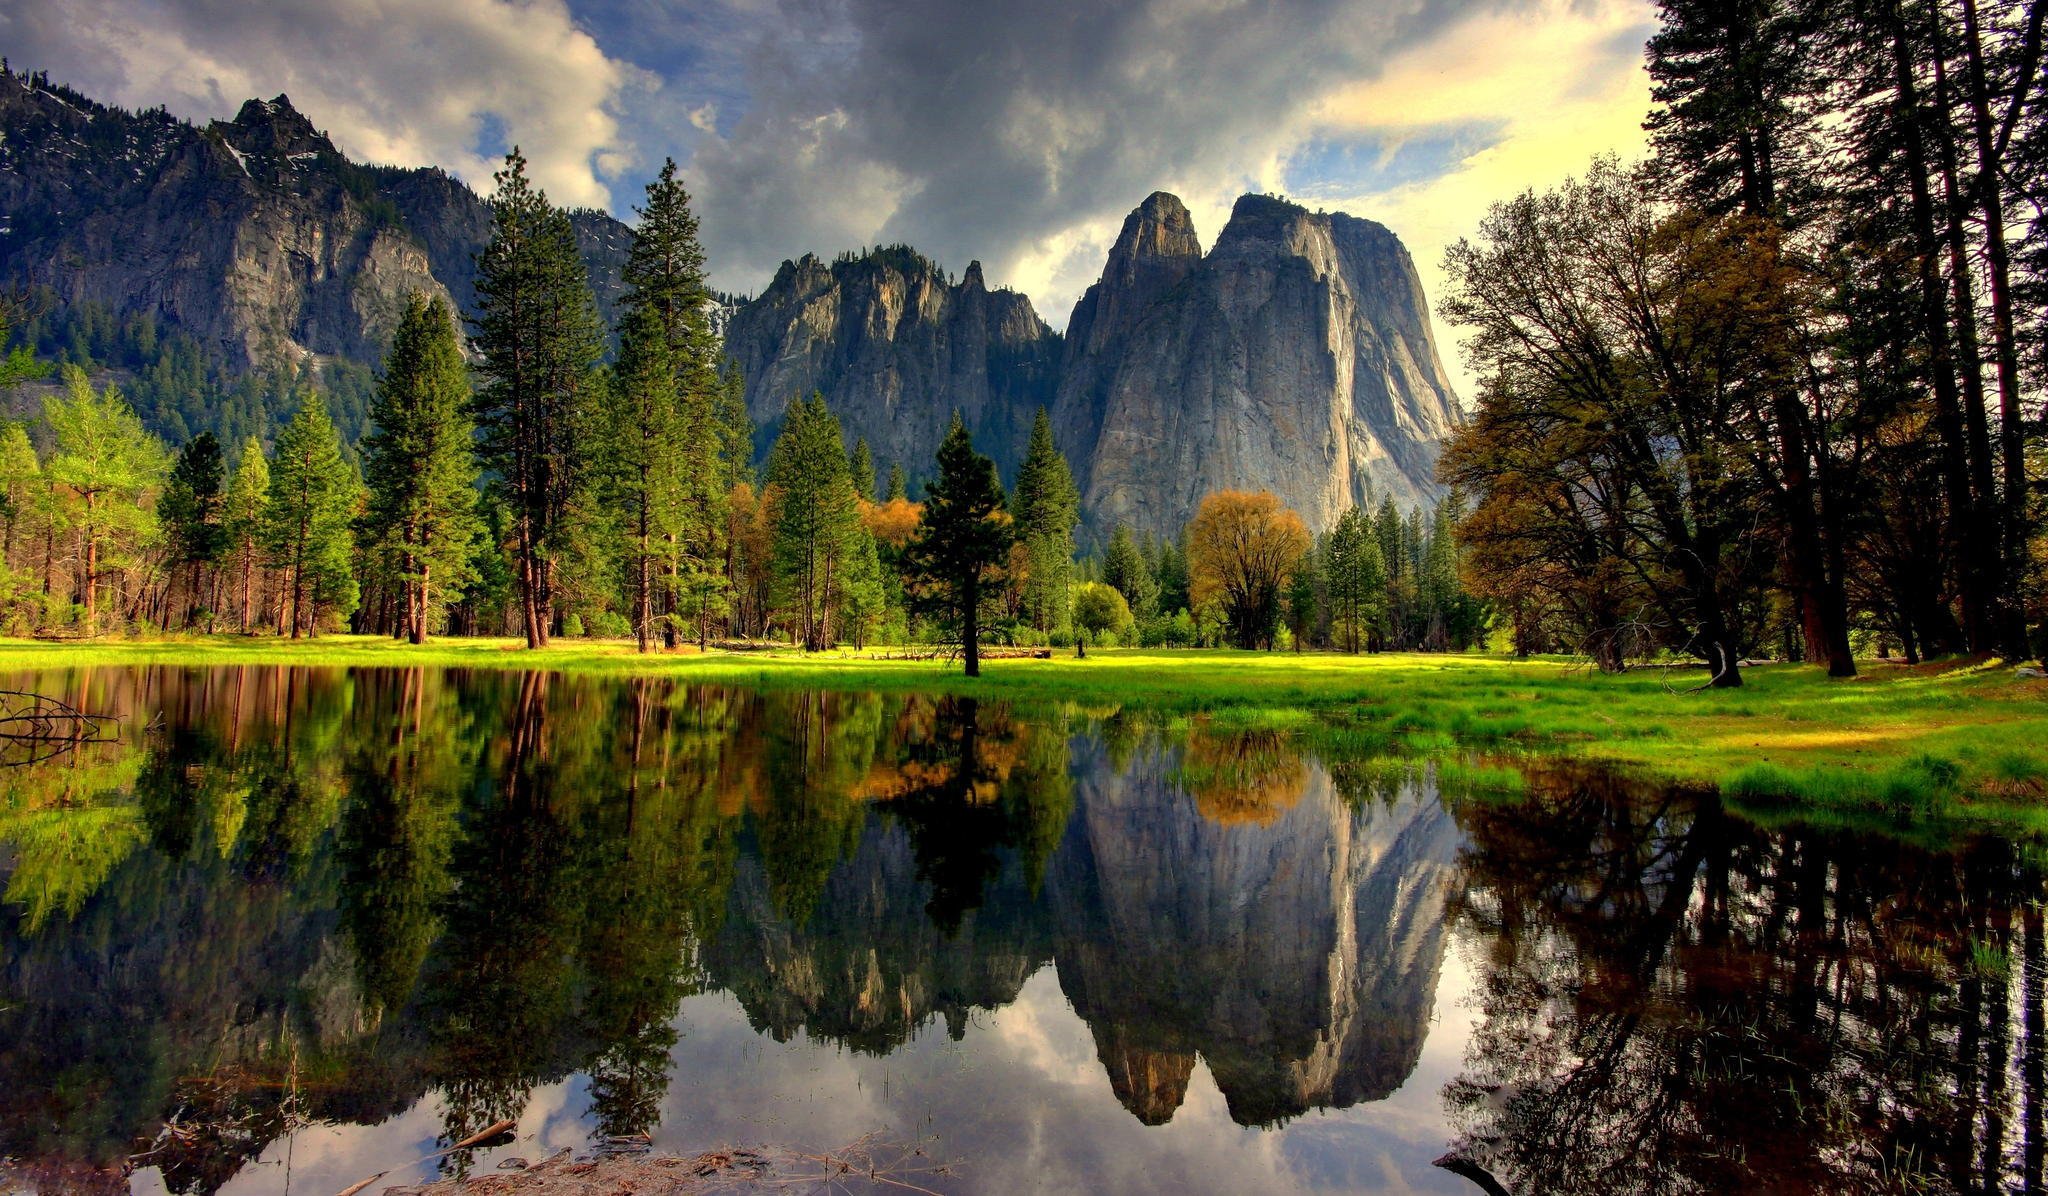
[1241,549]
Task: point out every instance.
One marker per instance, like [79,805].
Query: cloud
[1553,84]
[391,81]
[1018,133]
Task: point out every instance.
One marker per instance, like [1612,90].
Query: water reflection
[1677,1001]
[324,921]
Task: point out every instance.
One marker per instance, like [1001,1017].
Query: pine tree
[898,491]
[962,540]
[190,511]
[817,519]
[1357,573]
[1046,507]
[538,336]
[702,453]
[306,528]
[419,462]
[644,423]
[1124,569]
[861,468]
[243,517]
[21,487]
[107,463]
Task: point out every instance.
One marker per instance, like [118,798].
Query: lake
[288,928]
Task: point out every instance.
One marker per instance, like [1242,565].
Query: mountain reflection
[289,897]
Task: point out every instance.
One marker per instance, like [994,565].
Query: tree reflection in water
[1676,1000]
[308,896]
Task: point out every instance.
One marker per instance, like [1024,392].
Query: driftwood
[868,1164]
[481,1136]
[36,727]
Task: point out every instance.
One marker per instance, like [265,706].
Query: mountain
[895,346]
[255,236]
[1295,357]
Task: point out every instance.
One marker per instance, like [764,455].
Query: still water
[296,927]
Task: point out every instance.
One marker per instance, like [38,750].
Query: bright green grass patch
[1970,742]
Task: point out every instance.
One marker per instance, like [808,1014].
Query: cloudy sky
[1018,132]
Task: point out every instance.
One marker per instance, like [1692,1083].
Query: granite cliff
[255,236]
[1295,357]
[896,346]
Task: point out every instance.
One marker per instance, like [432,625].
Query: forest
[1772,392]
[554,486]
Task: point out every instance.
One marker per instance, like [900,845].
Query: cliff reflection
[289,896]
[1677,1001]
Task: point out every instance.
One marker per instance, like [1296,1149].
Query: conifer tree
[665,281]
[538,337]
[419,462]
[1045,508]
[22,487]
[306,528]
[108,464]
[962,540]
[645,422]
[817,520]
[190,511]
[863,470]
[1357,577]
[242,516]
[1124,569]
[898,491]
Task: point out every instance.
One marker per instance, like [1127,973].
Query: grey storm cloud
[993,130]
[1015,132]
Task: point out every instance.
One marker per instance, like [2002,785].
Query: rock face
[1296,357]
[256,236]
[1301,986]
[895,347]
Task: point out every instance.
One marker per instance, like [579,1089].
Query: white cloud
[392,81]
[1559,82]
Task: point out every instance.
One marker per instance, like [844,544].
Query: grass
[1967,741]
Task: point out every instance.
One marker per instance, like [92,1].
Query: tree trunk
[416,605]
[2004,345]
[970,626]
[1955,467]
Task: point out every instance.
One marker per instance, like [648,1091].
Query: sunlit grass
[1893,743]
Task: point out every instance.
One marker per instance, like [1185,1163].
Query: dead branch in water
[36,727]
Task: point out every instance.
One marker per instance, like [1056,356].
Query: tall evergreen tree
[817,520]
[307,521]
[664,277]
[538,337]
[1124,569]
[1046,507]
[898,490]
[644,425]
[243,516]
[419,462]
[191,513]
[1357,573]
[108,464]
[862,470]
[962,540]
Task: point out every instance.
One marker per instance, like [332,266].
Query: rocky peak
[972,281]
[275,127]
[1158,237]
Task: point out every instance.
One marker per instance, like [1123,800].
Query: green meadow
[1964,742]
